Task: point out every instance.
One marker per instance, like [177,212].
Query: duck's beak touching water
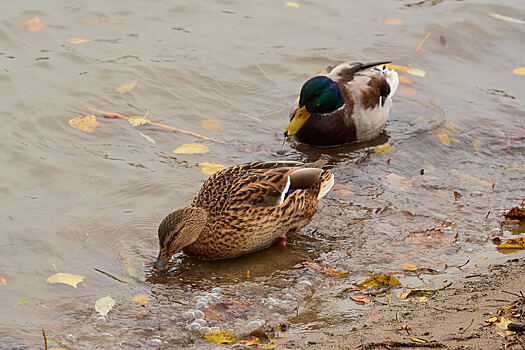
[162,261]
[297,122]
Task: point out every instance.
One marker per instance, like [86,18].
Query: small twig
[515,294]
[45,338]
[463,331]
[117,115]
[388,301]
[397,344]
[110,275]
[421,42]
[474,275]
[486,217]
[476,264]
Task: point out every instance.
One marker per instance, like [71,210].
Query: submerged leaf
[470,178]
[136,120]
[383,149]
[3,281]
[211,125]
[394,21]
[127,88]
[292,4]
[22,302]
[141,299]
[220,336]
[432,237]
[66,278]
[515,243]
[191,148]
[104,305]
[77,41]
[379,282]
[444,139]
[225,311]
[413,71]
[34,24]
[323,269]
[519,71]
[210,168]
[88,123]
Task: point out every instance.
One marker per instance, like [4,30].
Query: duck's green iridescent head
[318,95]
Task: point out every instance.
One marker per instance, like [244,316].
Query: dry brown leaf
[88,123]
[515,214]
[77,41]
[432,237]
[323,269]
[394,21]
[361,298]
[342,190]
[34,24]
[127,87]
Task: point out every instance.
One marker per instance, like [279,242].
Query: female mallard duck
[243,209]
[343,104]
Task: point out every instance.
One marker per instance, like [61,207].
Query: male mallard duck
[243,209]
[343,104]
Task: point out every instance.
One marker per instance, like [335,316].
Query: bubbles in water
[101,320]
[201,322]
[205,330]
[253,325]
[198,314]
[188,315]
[195,327]
[304,289]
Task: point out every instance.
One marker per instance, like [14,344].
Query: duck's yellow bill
[297,122]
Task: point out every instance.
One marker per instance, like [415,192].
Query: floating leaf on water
[432,237]
[505,18]
[410,267]
[515,243]
[323,269]
[127,263]
[515,214]
[211,125]
[99,21]
[519,71]
[383,149]
[210,168]
[403,79]
[342,190]
[413,71]
[88,123]
[361,298]
[22,302]
[444,139]
[191,148]
[470,178]
[104,305]
[3,281]
[141,299]
[150,139]
[292,4]
[442,40]
[394,21]
[136,120]
[127,87]
[220,336]
[476,144]
[66,278]
[34,24]
[457,195]
[379,282]
[77,41]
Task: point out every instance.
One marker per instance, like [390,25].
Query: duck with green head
[344,104]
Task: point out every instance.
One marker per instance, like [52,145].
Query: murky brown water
[73,201]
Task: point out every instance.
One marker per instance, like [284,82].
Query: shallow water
[75,201]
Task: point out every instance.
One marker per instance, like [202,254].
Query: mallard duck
[243,209]
[343,104]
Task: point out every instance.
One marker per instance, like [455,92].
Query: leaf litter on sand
[221,336]
[323,269]
[66,278]
[104,305]
[432,237]
[515,243]
[88,123]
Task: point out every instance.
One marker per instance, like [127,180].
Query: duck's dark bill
[162,262]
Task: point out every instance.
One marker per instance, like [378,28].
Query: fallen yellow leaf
[66,278]
[211,125]
[292,4]
[3,281]
[136,120]
[394,21]
[34,24]
[22,302]
[379,281]
[515,243]
[127,88]
[88,123]
[444,139]
[519,71]
[191,148]
[383,149]
[104,305]
[410,267]
[220,336]
[141,299]
[470,178]
[77,41]
[210,168]
[413,71]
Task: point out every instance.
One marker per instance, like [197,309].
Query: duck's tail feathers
[327,182]
[392,79]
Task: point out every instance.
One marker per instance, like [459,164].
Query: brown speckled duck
[344,104]
[243,209]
